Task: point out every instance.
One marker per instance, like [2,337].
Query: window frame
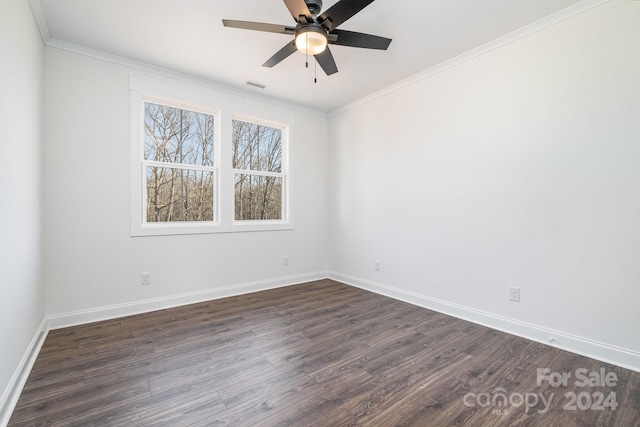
[184,166]
[192,97]
[283,174]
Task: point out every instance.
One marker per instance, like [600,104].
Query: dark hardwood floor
[321,353]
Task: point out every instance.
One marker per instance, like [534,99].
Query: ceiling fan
[314,31]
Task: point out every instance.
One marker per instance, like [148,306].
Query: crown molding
[41,22]
[514,36]
[249,96]
[246,96]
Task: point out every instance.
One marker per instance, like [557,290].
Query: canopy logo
[499,399]
[594,400]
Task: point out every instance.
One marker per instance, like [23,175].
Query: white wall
[520,167]
[21,291]
[92,261]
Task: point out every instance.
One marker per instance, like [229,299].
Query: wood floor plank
[274,382]
[321,353]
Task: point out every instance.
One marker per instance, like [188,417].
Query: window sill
[208,228]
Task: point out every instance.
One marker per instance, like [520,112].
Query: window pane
[258,197]
[178,136]
[256,147]
[175,195]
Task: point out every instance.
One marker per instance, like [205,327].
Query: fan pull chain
[306,59]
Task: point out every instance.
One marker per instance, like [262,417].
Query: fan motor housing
[315,6]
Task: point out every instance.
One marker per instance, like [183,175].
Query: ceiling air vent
[258,85]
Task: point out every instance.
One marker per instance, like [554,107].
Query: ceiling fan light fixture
[313,32]
[311,40]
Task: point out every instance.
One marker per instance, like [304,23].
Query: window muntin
[179,164]
[258,171]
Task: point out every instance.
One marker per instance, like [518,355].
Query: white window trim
[201,99]
[284,174]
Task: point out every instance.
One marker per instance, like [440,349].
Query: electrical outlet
[285,261]
[514,294]
[376,265]
[145,279]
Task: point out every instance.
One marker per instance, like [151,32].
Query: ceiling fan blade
[259,26]
[340,12]
[299,8]
[326,61]
[280,55]
[354,39]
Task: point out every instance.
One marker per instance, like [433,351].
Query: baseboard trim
[14,388]
[603,352]
[80,317]
[597,350]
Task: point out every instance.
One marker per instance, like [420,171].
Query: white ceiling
[188,36]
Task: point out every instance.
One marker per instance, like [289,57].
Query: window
[178,164]
[204,163]
[257,167]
